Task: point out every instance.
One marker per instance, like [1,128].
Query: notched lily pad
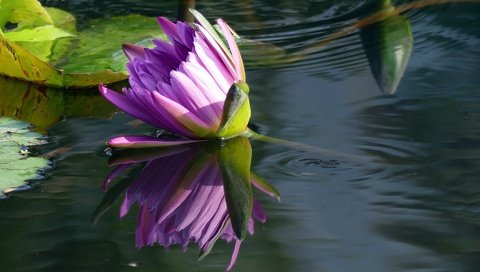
[16,164]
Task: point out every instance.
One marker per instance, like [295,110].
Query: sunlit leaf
[43,48]
[23,12]
[16,165]
[19,63]
[39,40]
[37,34]
[235,157]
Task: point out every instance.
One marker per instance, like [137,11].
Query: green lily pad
[37,34]
[101,41]
[45,47]
[23,12]
[16,165]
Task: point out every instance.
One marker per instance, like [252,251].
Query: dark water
[412,203]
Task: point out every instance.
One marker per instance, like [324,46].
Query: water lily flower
[193,85]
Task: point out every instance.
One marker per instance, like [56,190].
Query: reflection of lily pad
[43,106]
[16,166]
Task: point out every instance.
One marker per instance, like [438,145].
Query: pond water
[398,190]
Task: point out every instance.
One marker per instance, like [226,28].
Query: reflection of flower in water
[182,200]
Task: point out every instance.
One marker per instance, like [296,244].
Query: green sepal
[236,111]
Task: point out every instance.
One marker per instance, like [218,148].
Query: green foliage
[16,165]
[24,13]
[102,40]
[45,47]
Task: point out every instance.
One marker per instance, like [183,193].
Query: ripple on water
[304,164]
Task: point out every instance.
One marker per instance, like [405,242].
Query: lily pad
[16,164]
[23,12]
[46,49]
[101,41]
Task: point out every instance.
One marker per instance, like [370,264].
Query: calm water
[411,204]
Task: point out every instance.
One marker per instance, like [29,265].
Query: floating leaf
[388,46]
[100,43]
[37,34]
[23,12]
[20,63]
[16,166]
[235,157]
[43,49]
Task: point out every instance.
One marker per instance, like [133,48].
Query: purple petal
[128,105]
[168,27]
[193,97]
[133,51]
[210,31]
[237,57]
[188,120]
[215,52]
[132,141]
[216,73]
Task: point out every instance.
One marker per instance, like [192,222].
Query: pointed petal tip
[135,141]
[133,51]
[103,89]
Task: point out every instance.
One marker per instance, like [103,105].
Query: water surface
[413,203]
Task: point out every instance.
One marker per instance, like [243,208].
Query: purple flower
[182,199]
[183,85]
